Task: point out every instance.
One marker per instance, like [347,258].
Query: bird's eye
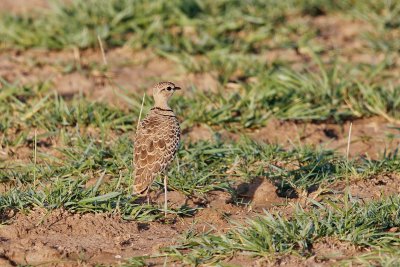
[169,88]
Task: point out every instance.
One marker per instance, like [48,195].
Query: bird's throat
[161,105]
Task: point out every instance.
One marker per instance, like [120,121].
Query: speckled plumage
[156,141]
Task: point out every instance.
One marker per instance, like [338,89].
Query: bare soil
[43,237]
[22,6]
[61,238]
[65,239]
[72,72]
[370,137]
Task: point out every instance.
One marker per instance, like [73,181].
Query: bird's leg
[165,195]
[148,197]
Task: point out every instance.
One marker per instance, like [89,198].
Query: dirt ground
[65,239]
[61,238]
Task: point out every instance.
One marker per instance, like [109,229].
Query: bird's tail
[141,185]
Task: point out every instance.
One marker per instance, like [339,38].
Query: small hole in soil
[143,226]
[380,182]
[331,133]
[127,242]
[287,192]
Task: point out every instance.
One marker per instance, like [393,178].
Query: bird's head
[162,92]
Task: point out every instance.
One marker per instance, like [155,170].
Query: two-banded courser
[156,141]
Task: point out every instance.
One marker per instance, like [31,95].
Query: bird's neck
[161,105]
[163,111]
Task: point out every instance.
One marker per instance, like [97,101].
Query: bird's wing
[155,147]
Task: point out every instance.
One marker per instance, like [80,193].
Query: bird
[156,141]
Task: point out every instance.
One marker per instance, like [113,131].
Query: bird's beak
[177,88]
